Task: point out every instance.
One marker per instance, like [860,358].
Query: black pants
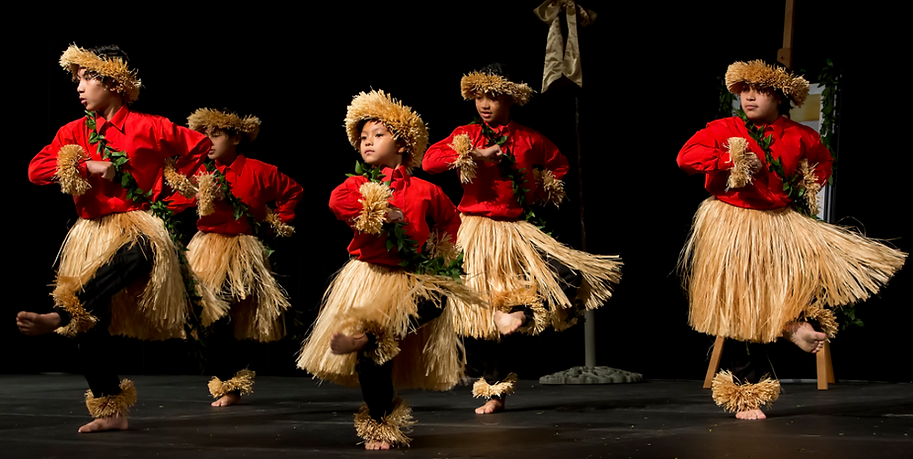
[224,353]
[376,381]
[489,358]
[128,265]
[746,361]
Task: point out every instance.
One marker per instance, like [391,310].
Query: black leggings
[129,264]
[376,381]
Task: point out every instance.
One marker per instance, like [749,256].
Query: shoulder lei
[435,258]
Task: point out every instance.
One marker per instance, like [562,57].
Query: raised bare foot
[228,399]
[376,445]
[342,344]
[493,405]
[33,324]
[802,334]
[752,415]
[509,323]
[115,422]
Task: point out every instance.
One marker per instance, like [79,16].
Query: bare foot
[342,344]
[753,415]
[115,422]
[376,445]
[803,335]
[493,405]
[33,324]
[228,399]
[509,323]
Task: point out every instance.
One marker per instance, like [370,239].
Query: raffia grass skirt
[154,308]
[367,296]
[236,268]
[750,272]
[506,261]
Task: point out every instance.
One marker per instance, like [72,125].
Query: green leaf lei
[159,208]
[412,259]
[791,186]
[509,170]
[240,209]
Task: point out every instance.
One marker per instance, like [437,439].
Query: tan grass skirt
[504,260]
[236,268]
[751,272]
[367,296]
[153,308]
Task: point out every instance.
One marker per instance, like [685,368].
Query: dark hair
[110,51]
[497,68]
[785,104]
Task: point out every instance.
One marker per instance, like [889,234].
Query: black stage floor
[294,417]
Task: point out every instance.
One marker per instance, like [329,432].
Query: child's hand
[395,215]
[103,168]
[754,164]
[490,154]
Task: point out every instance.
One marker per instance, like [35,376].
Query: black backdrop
[650,81]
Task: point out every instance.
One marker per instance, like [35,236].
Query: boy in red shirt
[530,280]
[119,272]
[759,265]
[384,325]
[226,253]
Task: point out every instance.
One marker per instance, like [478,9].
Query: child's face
[378,147]
[494,110]
[760,105]
[92,92]
[223,145]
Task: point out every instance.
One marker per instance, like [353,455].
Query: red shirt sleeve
[704,152]
[344,199]
[444,213]
[287,193]
[440,156]
[44,165]
[190,149]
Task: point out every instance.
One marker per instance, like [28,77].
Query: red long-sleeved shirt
[255,183]
[490,194]
[148,141]
[419,201]
[706,153]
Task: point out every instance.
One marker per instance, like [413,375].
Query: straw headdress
[406,125]
[494,85]
[759,74]
[205,118]
[124,80]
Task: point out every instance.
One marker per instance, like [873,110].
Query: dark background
[650,81]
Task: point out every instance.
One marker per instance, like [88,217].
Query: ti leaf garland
[240,209]
[160,209]
[794,191]
[412,258]
[509,170]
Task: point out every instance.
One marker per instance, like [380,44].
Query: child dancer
[226,253]
[759,265]
[530,280]
[119,271]
[383,325]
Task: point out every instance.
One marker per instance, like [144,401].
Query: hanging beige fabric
[561,59]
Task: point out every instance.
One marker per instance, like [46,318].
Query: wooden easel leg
[825,367]
[714,361]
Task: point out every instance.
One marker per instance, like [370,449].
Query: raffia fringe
[734,397]
[65,296]
[809,182]
[177,181]
[824,317]
[67,174]
[751,272]
[153,308]
[204,118]
[407,125]
[464,161]
[442,246]
[552,187]
[387,347]
[758,73]
[744,163]
[281,228]
[391,429]
[123,80]
[495,85]
[242,383]
[208,189]
[365,292]
[481,388]
[112,405]
[236,269]
[506,301]
[505,256]
[374,207]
